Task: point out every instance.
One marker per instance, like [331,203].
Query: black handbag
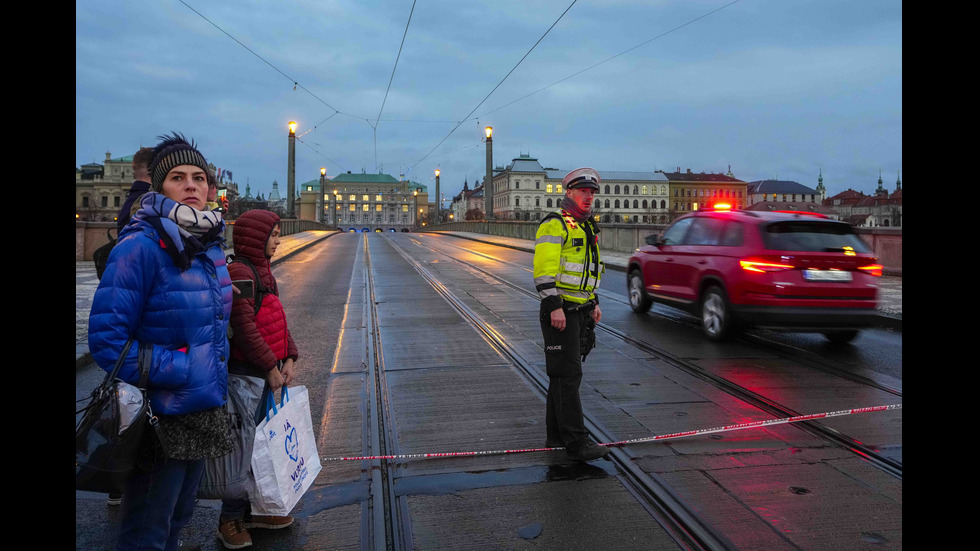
[104,457]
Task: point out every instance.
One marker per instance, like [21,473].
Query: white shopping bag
[284,457]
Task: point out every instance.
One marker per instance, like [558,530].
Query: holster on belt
[587,331]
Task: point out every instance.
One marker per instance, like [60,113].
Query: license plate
[826,275]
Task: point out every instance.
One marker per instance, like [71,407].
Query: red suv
[794,271]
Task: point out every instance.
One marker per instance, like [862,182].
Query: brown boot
[269,522]
[233,534]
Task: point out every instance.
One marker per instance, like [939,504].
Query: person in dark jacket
[261,346]
[166,286]
[141,184]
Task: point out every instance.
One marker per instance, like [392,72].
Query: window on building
[547,189]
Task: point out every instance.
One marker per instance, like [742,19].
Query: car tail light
[873,269]
[761,266]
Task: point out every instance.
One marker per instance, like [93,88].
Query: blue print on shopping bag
[292,441]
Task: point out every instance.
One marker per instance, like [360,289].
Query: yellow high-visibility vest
[566,258]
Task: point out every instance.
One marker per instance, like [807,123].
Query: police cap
[581,177]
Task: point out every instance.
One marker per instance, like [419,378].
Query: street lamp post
[333,210]
[488,183]
[438,202]
[415,216]
[319,197]
[291,172]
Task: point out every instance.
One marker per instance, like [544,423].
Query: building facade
[526,190]
[786,195]
[374,201]
[882,209]
[100,190]
[690,191]
[467,204]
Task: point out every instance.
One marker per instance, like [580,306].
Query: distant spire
[820,187]
[898,183]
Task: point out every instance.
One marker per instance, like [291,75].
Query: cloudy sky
[771,88]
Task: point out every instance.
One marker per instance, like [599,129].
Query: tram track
[391,528]
[687,528]
[768,405]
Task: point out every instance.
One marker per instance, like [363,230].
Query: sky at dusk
[770,88]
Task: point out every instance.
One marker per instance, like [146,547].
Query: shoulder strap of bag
[145,357]
[111,376]
[260,289]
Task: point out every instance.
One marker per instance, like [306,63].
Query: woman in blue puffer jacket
[166,286]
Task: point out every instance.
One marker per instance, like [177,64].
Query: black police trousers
[563,360]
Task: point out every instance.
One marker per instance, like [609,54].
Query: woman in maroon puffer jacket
[261,346]
[260,340]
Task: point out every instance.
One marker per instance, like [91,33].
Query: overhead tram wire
[390,79]
[294,81]
[467,117]
[589,68]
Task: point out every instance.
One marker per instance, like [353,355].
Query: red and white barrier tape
[728,428]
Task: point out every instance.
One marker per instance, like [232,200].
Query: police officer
[567,270]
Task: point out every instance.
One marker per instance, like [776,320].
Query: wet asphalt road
[449,390]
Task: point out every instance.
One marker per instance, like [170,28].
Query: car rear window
[709,230]
[812,236]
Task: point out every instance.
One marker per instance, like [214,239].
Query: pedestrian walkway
[86,281]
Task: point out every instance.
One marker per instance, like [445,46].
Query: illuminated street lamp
[319,197]
[291,172]
[333,210]
[415,194]
[488,184]
[438,202]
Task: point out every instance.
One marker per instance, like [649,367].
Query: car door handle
[702,261]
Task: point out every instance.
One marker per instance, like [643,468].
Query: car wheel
[841,337]
[716,317]
[640,301]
